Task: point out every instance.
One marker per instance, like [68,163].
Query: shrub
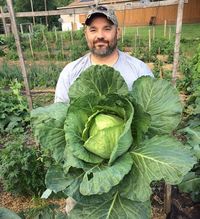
[14,115]
[21,169]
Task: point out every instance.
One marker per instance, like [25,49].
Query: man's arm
[62,87]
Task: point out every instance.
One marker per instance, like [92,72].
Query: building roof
[88,3]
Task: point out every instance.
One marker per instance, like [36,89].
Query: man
[101,33]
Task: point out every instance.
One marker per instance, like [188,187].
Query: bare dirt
[182,206]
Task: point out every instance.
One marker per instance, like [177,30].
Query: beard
[105,50]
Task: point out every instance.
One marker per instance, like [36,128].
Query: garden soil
[182,205]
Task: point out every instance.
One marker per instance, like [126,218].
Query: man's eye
[108,28]
[92,30]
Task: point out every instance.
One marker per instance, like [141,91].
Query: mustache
[100,41]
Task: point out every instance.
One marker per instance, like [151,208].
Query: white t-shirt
[129,67]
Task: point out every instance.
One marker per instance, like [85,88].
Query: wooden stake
[46,17]
[4,22]
[154,31]
[32,11]
[71,34]
[167,199]
[46,43]
[30,43]
[62,47]
[170,32]
[149,40]
[165,27]
[21,28]
[56,35]
[19,51]
[177,40]
[135,42]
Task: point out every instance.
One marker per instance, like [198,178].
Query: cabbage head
[106,130]
[108,144]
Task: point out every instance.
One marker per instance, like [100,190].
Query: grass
[190,35]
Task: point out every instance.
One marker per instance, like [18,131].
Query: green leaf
[77,116]
[56,180]
[193,134]
[191,184]
[101,178]
[73,190]
[48,127]
[113,208]
[161,101]
[8,214]
[140,124]
[72,161]
[98,80]
[161,157]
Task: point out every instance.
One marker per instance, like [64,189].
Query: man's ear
[118,32]
[85,32]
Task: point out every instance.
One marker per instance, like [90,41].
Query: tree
[38,5]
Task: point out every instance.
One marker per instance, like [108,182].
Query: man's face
[101,36]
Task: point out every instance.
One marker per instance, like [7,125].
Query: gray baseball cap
[102,10]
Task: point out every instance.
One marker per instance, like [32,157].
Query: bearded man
[102,34]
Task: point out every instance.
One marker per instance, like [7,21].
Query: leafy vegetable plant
[110,143]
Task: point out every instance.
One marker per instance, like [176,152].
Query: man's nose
[100,35]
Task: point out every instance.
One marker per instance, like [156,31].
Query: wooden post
[123,23]
[62,46]
[19,50]
[71,34]
[45,8]
[154,33]
[167,198]
[170,32]
[30,28]
[56,35]
[30,43]
[21,29]
[177,40]
[135,42]
[32,11]
[46,44]
[149,40]
[4,22]
[165,27]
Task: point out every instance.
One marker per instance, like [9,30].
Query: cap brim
[90,17]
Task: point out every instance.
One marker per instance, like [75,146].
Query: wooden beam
[84,9]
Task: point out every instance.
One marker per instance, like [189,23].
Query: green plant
[12,55]
[140,150]
[191,128]
[8,74]
[14,115]
[21,169]
[191,133]
[38,75]
[191,72]
[76,51]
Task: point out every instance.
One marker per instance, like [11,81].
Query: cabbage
[109,144]
[105,130]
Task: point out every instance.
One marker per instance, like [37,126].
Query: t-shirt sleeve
[144,70]
[62,87]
